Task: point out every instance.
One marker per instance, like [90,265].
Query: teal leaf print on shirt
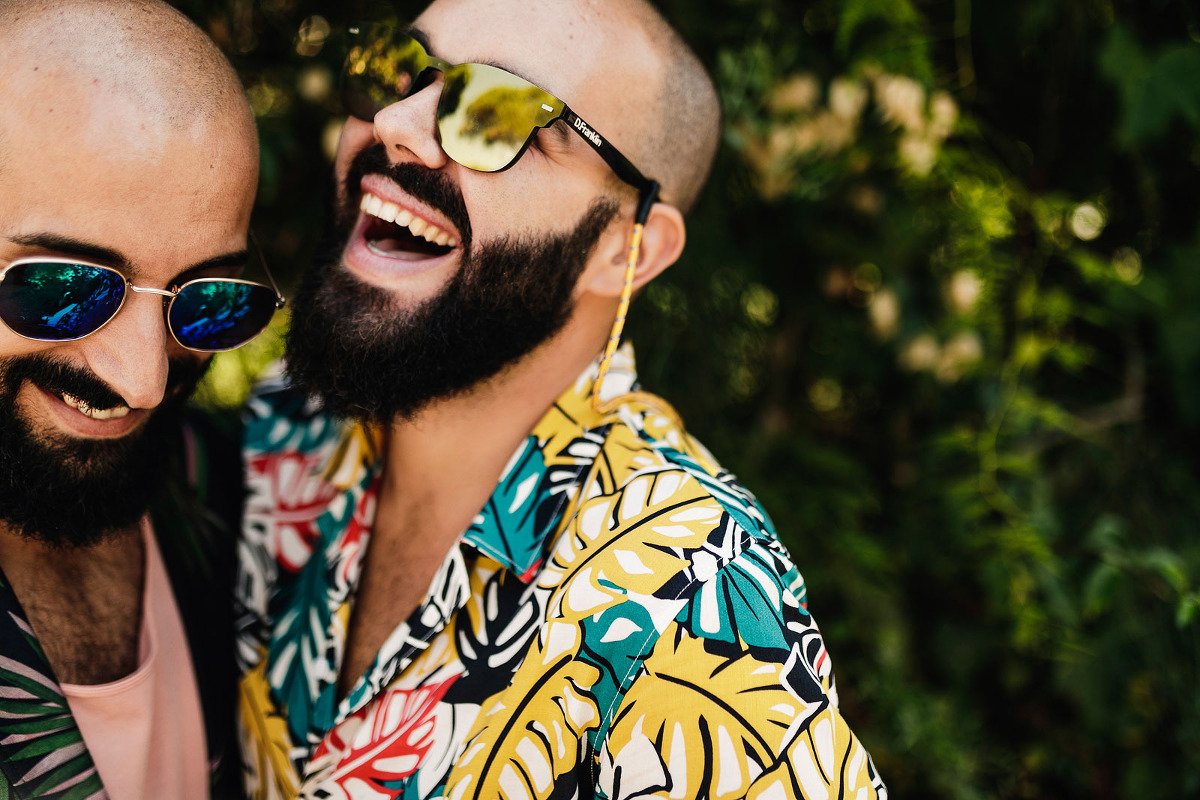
[504,529]
[304,647]
[736,499]
[745,599]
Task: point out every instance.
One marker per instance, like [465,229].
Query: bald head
[143,54]
[618,63]
[679,129]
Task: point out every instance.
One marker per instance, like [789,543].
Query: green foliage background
[941,310]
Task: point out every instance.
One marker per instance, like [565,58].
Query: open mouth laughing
[397,238]
[392,231]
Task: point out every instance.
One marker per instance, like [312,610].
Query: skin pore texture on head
[141,50]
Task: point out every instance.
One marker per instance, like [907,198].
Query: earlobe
[662,241]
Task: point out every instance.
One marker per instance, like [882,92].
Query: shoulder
[664,477]
[694,611]
[663,526]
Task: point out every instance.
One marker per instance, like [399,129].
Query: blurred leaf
[1154,90]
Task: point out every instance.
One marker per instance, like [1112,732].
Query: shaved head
[618,63]
[680,129]
[142,53]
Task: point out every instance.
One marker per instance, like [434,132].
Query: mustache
[430,187]
[59,377]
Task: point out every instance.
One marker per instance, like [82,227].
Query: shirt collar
[545,472]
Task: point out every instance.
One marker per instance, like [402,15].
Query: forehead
[99,168]
[561,46]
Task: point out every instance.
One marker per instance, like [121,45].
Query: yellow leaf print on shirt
[636,538]
[530,733]
[264,737]
[357,451]
[693,725]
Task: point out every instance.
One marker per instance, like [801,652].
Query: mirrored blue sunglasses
[51,299]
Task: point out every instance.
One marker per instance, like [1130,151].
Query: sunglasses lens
[382,67]
[487,115]
[214,315]
[58,302]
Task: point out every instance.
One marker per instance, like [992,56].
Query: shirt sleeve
[737,699]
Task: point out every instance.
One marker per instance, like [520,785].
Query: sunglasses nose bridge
[150,290]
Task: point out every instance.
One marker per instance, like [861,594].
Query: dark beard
[362,356]
[68,492]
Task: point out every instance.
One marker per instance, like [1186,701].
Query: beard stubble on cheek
[71,492]
[362,355]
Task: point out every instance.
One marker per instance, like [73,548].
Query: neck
[441,467]
[451,454]
[22,556]
[83,603]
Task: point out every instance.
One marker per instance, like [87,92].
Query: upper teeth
[390,212]
[116,412]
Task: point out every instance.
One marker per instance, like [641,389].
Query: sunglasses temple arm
[621,165]
[649,196]
[280,301]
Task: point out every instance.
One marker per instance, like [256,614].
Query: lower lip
[387,270]
[81,424]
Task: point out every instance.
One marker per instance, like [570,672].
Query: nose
[411,124]
[130,352]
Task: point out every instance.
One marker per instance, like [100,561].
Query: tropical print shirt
[619,621]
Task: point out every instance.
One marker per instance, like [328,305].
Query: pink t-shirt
[146,731]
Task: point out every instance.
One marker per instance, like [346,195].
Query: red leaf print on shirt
[384,741]
[300,495]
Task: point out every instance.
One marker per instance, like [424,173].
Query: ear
[662,241]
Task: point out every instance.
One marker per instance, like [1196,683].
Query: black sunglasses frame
[624,169]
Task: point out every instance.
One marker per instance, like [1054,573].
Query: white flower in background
[797,94]
[847,99]
[315,83]
[963,290]
[311,35]
[901,101]
[961,353]
[943,114]
[1087,221]
[884,312]
[921,353]
[918,153]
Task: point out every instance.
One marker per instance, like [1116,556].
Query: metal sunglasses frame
[164,293]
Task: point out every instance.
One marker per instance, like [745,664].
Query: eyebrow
[78,248]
